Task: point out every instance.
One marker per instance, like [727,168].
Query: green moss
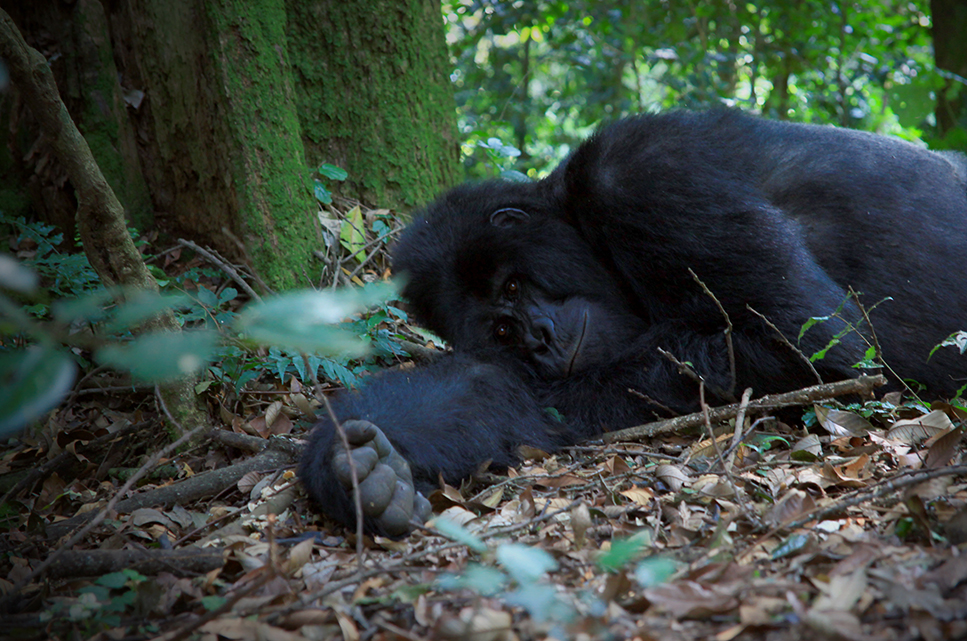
[374,96]
[276,206]
[104,119]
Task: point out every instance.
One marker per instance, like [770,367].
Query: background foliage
[553,70]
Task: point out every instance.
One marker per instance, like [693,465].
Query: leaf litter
[853,530]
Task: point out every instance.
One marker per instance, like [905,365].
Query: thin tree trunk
[100,217]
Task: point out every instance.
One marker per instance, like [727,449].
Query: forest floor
[824,521]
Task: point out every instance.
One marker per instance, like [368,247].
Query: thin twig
[863,495]
[740,419]
[222,264]
[683,368]
[796,350]
[730,392]
[354,475]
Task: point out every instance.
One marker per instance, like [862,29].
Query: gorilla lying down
[558,294]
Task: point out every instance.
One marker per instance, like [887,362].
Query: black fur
[558,293]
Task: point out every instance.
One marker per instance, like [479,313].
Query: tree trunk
[374,95]
[232,103]
[949,19]
[75,41]
[100,217]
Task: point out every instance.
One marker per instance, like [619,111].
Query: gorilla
[559,296]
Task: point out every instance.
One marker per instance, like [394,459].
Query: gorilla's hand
[386,487]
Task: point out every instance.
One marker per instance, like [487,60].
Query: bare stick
[729,393]
[796,350]
[683,368]
[862,385]
[740,421]
[222,264]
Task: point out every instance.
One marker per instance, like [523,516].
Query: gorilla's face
[490,272]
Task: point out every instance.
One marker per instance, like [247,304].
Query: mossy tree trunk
[374,96]
[223,106]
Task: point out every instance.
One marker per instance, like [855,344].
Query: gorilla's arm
[445,419]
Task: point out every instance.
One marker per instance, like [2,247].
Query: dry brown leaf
[672,476]
[580,522]
[560,481]
[272,412]
[841,422]
[476,624]
[693,600]
[494,499]
[248,630]
[641,495]
[810,445]
[616,465]
[299,555]
[842,592]
[917,430]
[943,449]
[790,507]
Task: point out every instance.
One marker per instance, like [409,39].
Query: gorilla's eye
[502,332]
[512,288]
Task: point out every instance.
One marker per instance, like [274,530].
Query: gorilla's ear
[508,217]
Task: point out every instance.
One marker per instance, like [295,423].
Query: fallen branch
[862,385]
[189,489]
[186,562]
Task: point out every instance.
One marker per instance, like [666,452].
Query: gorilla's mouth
[576,351]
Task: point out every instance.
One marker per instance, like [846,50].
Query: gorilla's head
[493,268]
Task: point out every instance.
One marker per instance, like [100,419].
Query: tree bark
[374,96]
[100,217]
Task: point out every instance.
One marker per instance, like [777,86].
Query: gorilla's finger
[360,432]
[421,508]
[396,519]
[378,489]
[364,458]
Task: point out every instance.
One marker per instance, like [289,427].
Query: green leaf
[524,563]
[792,545]
[655,571]
[32,382]
[16,277]
[302,321]
[114,580]
[481,579]
[212,602]
[456,532]
[142,306]
[322,194]
[162,356]
[333,172]
[542,602]
[514,176]
[624,551]
[352,234]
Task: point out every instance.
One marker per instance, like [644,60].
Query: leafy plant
[99,606]
[37,372]
[324,173]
